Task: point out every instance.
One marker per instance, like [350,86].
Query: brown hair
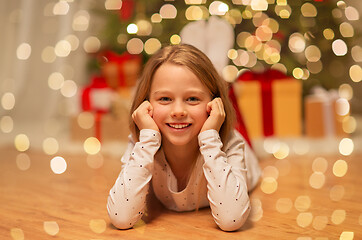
[198,63]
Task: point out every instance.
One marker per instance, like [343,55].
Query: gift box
[270,103]
[97,96]
[321,117]
[121,70]
[104,126]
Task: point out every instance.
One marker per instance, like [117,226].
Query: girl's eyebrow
[191,91]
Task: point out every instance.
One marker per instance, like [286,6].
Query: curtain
[42,65]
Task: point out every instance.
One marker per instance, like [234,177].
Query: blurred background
[68,69]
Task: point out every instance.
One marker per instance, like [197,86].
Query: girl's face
[179,102]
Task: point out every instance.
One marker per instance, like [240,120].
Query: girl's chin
[179,142]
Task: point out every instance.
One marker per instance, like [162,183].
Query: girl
[182,138]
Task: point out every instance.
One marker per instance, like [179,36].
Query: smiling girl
[182,138]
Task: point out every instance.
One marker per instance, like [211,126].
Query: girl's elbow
[121,222]
[234,223]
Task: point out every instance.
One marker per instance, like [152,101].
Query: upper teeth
[178,125]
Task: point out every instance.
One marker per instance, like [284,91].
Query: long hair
[198,63]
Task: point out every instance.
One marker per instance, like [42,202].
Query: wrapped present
[321,114]
[270,103]
[97,96]
[104,126]
[121,70]
[239,125]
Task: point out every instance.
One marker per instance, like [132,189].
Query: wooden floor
[37,203]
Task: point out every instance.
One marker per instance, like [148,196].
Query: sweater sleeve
[225,172]
[127,198]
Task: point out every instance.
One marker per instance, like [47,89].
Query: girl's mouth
[178,125]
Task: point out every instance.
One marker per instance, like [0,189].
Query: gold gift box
[286,104]
[321,118]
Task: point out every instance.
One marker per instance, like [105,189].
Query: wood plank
[75,201]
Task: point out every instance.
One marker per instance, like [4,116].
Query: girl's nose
[178,110]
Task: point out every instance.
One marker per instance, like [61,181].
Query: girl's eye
[193,99]
[165,99]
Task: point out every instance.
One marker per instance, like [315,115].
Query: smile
[178,125]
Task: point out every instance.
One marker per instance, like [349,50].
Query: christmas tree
[311,40]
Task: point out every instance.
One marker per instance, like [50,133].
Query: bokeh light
[135,46]
[91,44]
[218,8]
[168,11]
[345,91]
[97,225]
[23,161]
[320,164]
[349,124]
[309,10]
[342,107]
[17,234]
[152,45]
[269,185]
[351,13]
[81,21]
[296,43]
[6,124]
[73,41]
[302,203]
[356,53]
[144,27]
[338,216]
[317,180]
[58,165]
[113,4]
[132,28]
[92,145]
[85,120]
[69,88]
[320,222]
[51,228]
[346,146]
[346,29]
[61,8]
[229,73]
[56,80]
[62,48]
[48,54]
[259,5]
[284,205]
[22,142]
[339,47]
[282,151]
[50,146]
[256,212]
[328,33]
[175,39]
[346,235]
[355,72]
[340,168]
[312,53]
[23,51]
[8,101]
[336,193]
[304,219]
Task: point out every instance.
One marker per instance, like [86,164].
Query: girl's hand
[216,112]
[142,116]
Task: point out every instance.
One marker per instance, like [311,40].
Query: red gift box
[270,103]
[121,70]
